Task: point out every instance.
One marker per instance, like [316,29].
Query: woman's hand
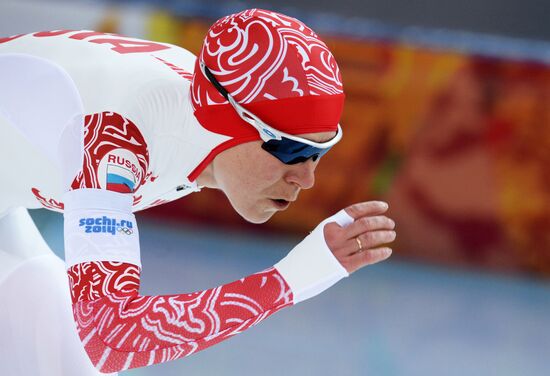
[364,241]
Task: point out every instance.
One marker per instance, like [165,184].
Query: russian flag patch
[120,179]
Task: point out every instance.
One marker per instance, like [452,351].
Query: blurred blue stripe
[332,24]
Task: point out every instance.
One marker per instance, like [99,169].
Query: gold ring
[359,244]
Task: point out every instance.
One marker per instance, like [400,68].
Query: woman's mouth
[280,203]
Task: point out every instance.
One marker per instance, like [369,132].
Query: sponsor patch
[106,225]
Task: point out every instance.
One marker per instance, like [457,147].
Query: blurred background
[447,118]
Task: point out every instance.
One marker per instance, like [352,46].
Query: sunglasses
[287,148]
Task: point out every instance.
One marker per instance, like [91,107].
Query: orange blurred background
[458,144]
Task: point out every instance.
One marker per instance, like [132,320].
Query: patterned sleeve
[121,329]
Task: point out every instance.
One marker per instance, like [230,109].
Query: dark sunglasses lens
[292,152]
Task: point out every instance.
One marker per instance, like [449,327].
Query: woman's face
[258,184]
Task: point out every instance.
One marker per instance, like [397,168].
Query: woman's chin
[256,217]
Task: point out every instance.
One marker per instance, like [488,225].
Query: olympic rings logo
[125,230]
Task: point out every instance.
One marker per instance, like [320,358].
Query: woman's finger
[342,245]
[365,224]
[372,239]
[368,208]
[366,257]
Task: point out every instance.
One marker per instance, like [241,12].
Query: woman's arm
[121,329]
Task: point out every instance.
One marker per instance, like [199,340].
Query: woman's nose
[302,174]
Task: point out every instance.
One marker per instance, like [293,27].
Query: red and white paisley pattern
[276,67]
[104,132]
[48,203]
[90,281]
[262,55]
[122,330]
